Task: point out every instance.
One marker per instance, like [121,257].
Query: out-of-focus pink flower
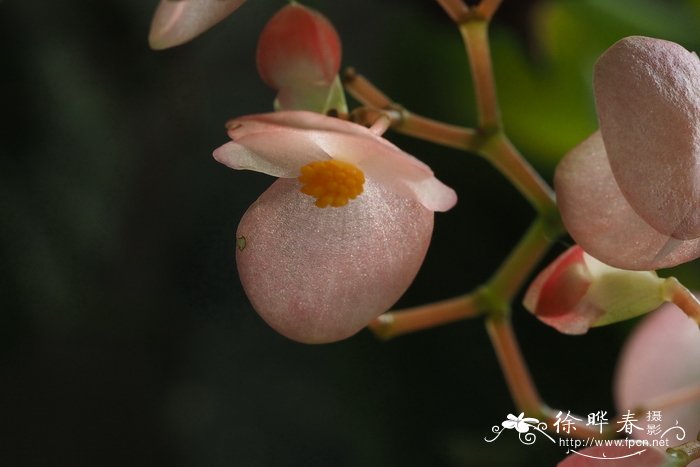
[615,456]
[576,292]
[299,55]
[661,359]
[321,274]
[630,193]
[178,21]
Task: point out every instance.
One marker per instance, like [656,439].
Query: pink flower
[178,21]
[661,360]
[576,292]
[630,193]
[299,55]
[320,274]
[616,456]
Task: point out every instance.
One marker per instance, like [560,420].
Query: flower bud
[299,55]
[577,292]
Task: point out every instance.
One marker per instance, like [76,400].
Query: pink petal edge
[178,21]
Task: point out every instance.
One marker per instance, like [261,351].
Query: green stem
[520,382]
[474,32]
[518,266]
[685,453]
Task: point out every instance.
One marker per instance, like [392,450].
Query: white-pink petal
[178,21]
[285,141]
[601,220]
[648,101]
[320,275]
[280,153]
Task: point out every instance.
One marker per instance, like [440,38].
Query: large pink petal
[320,275]
[600,219]
[661,356]
[178,21]
[648,100]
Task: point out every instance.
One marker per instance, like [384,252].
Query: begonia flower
[338,238]
[629,194]
[178,21]
[660,364]
[298,54]
[576,292]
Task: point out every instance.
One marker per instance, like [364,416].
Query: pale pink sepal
[281,143]
[601,220]
[178,21]
[615,456]
[320,275]
[661,356]
[648,101]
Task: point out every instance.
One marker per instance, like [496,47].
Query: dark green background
[125,336]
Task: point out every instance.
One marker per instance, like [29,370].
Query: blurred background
[125,336]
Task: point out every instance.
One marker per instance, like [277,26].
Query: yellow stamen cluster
[331,182]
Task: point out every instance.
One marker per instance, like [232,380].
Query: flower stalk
[396,323]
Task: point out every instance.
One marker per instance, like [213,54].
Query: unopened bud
[577,292]
[299,55]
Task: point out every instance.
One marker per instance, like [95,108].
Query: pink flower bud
[629,194]
[178,21]
[577,292]
[299,55]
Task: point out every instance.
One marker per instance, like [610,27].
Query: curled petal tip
[178,21]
